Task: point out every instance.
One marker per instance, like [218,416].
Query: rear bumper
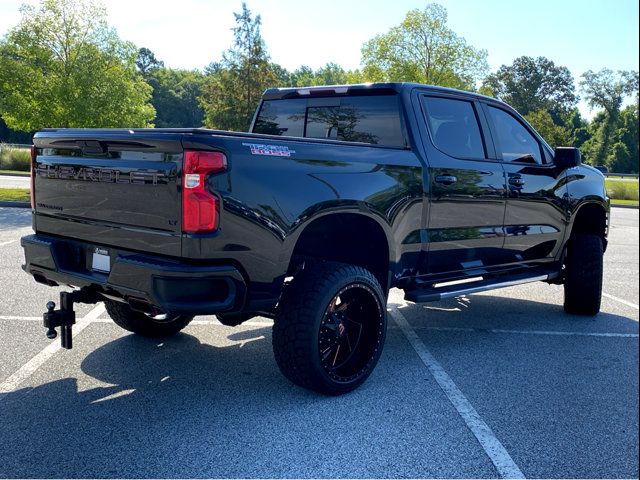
[166,284]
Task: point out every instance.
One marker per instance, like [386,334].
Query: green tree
[8,135]
[175,97]
[423,49]
[235,84]
[356,76]
[623,156]
[147,61]
[282,76]
[176,92]
[590,146]
[63,66]
[302,76]
[578,127]
[555,135]
[607,90]
[533,84]
[331,74]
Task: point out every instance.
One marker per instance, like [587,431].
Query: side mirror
[567,157]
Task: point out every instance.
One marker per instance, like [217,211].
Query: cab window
[454,127]
[515,142]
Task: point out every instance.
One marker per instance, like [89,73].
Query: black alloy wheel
[350,332]
[330,328]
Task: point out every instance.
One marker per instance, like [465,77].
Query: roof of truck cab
[361,88]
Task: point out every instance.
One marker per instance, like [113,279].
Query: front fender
[585,186]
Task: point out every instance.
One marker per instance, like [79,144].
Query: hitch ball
[51,332]
[66,317]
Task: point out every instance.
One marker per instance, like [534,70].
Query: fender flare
[331,208]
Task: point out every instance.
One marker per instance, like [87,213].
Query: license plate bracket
[100,260]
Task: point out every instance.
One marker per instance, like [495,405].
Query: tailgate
[117,189]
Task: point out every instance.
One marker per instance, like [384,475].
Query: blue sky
[581,35]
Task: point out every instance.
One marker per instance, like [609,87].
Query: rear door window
[516,143]
[365,119]
[454,127]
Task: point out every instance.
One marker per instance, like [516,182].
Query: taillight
[33,177]
[199,207]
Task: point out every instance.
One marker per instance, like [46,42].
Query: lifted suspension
[65,317]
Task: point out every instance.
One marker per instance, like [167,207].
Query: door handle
[516,181]
[446,179]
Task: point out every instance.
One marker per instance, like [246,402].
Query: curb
[5,174]
[15,204]
[635,207]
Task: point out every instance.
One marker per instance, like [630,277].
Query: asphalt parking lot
[501,383]
[14,181]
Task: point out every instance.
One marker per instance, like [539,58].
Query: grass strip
[624,202]
[14,195]
[12,158]
[622,189]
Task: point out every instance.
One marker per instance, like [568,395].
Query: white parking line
[624,302]
[531,332]
[29,368]
[13,317]
[496,452]
[7,243]
[250,323]
[565,334]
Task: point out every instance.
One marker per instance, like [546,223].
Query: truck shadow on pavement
[488,312]
[179,407]
[173,408]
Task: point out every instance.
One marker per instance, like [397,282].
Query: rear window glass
[281,117]
[454,127]
[366,119]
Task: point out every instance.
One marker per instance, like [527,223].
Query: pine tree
[235,84]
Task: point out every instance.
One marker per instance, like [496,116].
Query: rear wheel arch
[345,237]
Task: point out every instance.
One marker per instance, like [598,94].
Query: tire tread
[583,282]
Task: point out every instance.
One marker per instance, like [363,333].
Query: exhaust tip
[143,306]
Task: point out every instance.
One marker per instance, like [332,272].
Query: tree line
[64,66]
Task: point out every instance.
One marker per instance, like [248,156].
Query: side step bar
[434,294]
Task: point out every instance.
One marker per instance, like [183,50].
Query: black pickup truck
[336,195]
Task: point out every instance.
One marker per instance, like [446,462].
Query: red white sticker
[271,150]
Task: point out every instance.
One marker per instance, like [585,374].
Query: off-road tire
[583,275]
[302,313]
[137,322]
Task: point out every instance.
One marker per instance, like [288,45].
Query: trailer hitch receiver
[65,317]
